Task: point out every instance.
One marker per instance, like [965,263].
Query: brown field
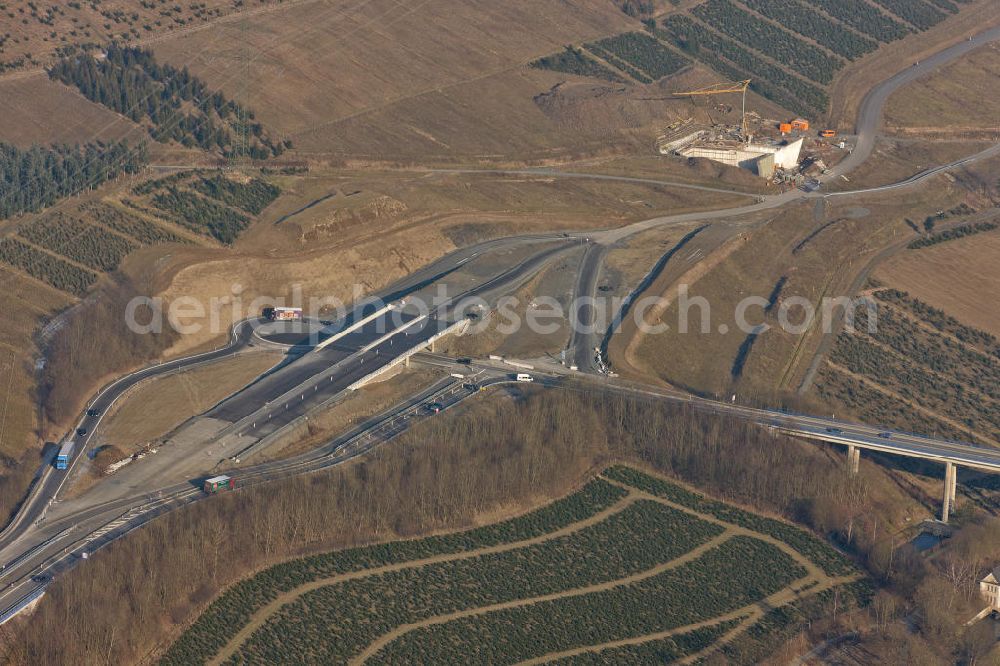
[895,159]
[36,28]
[941,103]
[815,260]
[37,110]
[441,78]
[957,276]
[156,407]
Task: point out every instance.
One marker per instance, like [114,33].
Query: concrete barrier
[463,324]
[353,327]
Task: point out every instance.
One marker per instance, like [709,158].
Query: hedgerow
[916,12]
[574,61]
[763,36]
[43,266]
[643,52]
[233,609]
[252,196]
[741,571]
[952,234]
[939,353]
[733,60]
[864,18]
[83,243]
[941,320]
[657,651]
[912,381]
[825,556]
[876,407]
[335,623]
[796,16]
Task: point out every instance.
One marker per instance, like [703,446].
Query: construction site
[779,151]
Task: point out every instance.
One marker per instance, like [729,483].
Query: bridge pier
[853,459]
[431,346]
[950,486]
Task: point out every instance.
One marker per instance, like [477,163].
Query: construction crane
[723,88]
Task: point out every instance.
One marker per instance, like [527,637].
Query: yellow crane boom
[722,88]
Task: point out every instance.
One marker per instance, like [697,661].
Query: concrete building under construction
[760,158]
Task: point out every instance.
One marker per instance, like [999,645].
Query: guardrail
[300,421]
[21,604]
[464,324]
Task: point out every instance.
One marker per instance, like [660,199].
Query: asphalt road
[48,481]
[55,551]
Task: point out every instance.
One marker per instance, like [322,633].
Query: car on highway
[434,407]
[41,578]
[834,431]
[524,377]
[81,432]
[470,387]
[463,361]
[885,435]
[93,412]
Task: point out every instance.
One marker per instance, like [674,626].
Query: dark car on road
[81,432]
[834,431]
[885,435]
[434,407]
[93,412]
[463,361]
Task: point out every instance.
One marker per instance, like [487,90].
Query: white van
[524,377]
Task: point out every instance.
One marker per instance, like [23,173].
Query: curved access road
[48,485]
[48,481]
[870,112]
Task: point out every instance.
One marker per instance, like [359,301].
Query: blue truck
[65,455]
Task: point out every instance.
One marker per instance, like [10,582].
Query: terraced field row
[68,251]
[575,61]
[233,609]
[825,556]
[336,623]
[791,49]
[761,35]
[735,61]
[215,206]
[940,320]
[636,55]
[606,573]
[924,368]
[799,17]
[48,268]
[641,53]
[84,243]
[733,575]
[873,406]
